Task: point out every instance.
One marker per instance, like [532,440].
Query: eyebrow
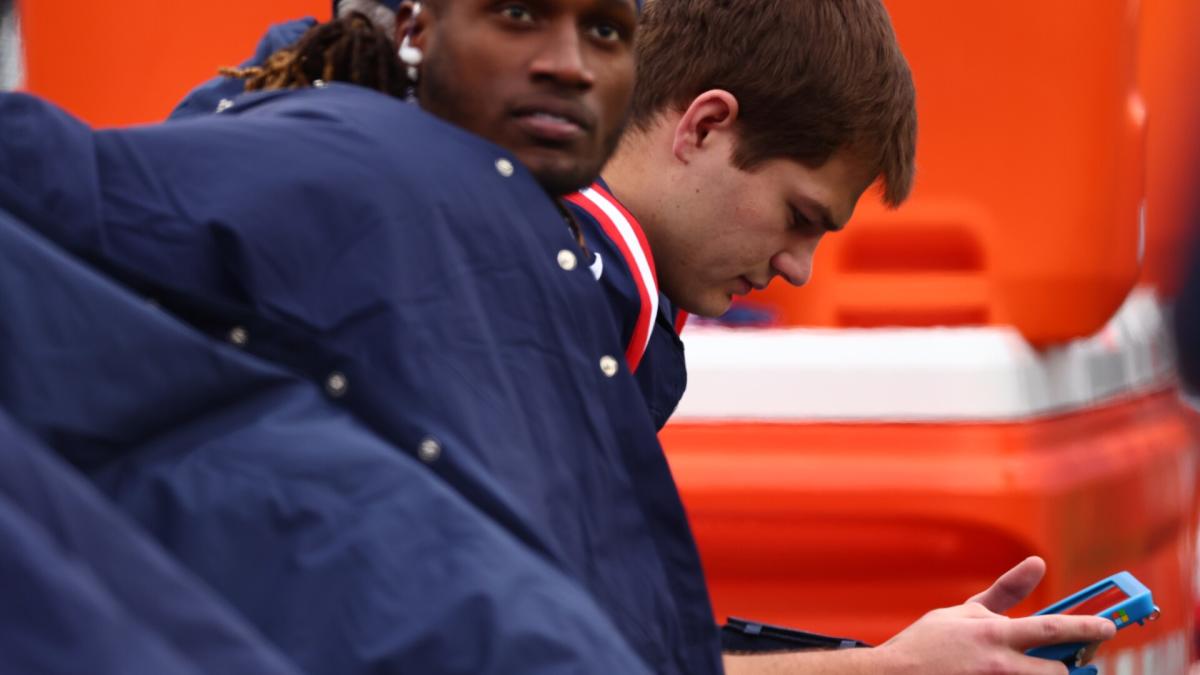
[824,217]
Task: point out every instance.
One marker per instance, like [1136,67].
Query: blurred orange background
[128,62]
[1045,128]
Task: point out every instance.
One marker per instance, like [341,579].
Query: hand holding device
[1120,598]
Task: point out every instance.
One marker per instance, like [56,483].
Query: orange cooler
[848,481]
[857,530]
[1029,184]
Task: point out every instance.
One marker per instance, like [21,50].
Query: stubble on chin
[440,97]
[582,172]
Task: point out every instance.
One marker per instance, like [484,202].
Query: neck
[630,174]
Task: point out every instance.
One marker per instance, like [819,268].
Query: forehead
[586,5]
[580,6]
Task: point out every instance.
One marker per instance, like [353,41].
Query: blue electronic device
[1120,598]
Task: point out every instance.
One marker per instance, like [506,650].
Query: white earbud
[409,55]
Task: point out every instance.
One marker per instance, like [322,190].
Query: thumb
[1013,586]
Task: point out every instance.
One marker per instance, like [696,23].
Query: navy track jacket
[331,352]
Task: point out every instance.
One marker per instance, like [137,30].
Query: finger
[1012,586]
[973,610]
[1012,663]
[1054,629]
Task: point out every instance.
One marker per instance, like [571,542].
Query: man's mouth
[748,285]
[552,122]
[549,127]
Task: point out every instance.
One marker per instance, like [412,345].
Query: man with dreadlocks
[421,279]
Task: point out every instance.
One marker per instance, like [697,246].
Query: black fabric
[1187,323]
[739,636]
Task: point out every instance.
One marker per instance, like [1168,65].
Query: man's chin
[558,172]
[560,185]
[709,308]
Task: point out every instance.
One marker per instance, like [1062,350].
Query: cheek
[717,260]
[442,93]
[473,79]
[615,89]
[710,248]
[752,240]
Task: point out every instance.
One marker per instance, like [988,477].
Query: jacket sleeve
[135,203]
[48,176]
[84,590]
[339,547]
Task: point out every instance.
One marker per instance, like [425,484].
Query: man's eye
[607,32]
[802,223]
[517,13]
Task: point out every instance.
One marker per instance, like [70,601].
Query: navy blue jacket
[85,591]
[646,319]
[346,553]
[419,276]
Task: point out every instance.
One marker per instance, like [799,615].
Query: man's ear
[411,23]
[716,110]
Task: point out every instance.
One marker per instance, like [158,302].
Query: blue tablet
[1120,598]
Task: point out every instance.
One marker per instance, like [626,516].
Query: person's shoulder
[360,120]
[211,96]
[381,148]
[331,100]
[281,35]
[384,118]
[585,206]
[16,104]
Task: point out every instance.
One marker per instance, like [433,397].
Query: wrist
[886,660]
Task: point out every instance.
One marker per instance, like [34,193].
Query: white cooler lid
[919,375]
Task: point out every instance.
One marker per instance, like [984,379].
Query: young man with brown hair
[755,130]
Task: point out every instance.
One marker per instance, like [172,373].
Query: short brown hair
[811,77]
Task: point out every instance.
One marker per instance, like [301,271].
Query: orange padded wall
[116,63]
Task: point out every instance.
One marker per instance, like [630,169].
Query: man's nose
[561,58]
[794,264]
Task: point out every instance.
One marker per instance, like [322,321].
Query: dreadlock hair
[348,49]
